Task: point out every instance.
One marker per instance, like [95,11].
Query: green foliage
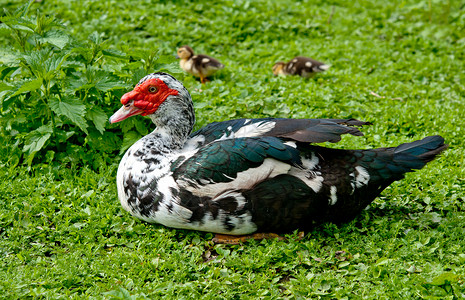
[63,233]
[58,91]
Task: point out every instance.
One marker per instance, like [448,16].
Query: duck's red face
[143,100]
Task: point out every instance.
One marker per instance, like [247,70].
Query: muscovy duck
[302,66]
[241,176]
[199,65]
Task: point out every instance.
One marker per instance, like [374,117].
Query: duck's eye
[152,89]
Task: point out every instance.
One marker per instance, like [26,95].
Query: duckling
[199,65]
[299,65]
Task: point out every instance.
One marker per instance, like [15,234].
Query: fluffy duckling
[302,66]
[199,65]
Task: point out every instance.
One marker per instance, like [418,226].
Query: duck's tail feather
[371,171]
[424,151]
[406,157]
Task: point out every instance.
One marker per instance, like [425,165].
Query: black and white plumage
[246,175]
[299,65]
[199,65]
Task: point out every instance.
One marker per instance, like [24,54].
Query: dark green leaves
[17,88]
[35,140]
[98,117]
[70,86]
[56,38]
[72,108]
[28,86]
[129,139]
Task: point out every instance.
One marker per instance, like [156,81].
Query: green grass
[63,233]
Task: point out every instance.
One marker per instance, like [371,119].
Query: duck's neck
[183,62]
[174,120]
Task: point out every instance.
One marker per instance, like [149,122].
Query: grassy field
[397,64]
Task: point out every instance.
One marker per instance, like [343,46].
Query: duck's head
[278,68]
[184,52]
[147,96]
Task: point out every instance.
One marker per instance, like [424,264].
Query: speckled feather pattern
[240,176]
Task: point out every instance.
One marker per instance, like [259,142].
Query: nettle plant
[57,92]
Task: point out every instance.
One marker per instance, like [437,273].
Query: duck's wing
[301,130]
[305,65]
[205,62]
[238,160]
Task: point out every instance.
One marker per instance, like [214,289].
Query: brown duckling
[302,66]
[199,65]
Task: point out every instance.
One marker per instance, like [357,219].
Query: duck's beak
[177,56]
[125,112]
